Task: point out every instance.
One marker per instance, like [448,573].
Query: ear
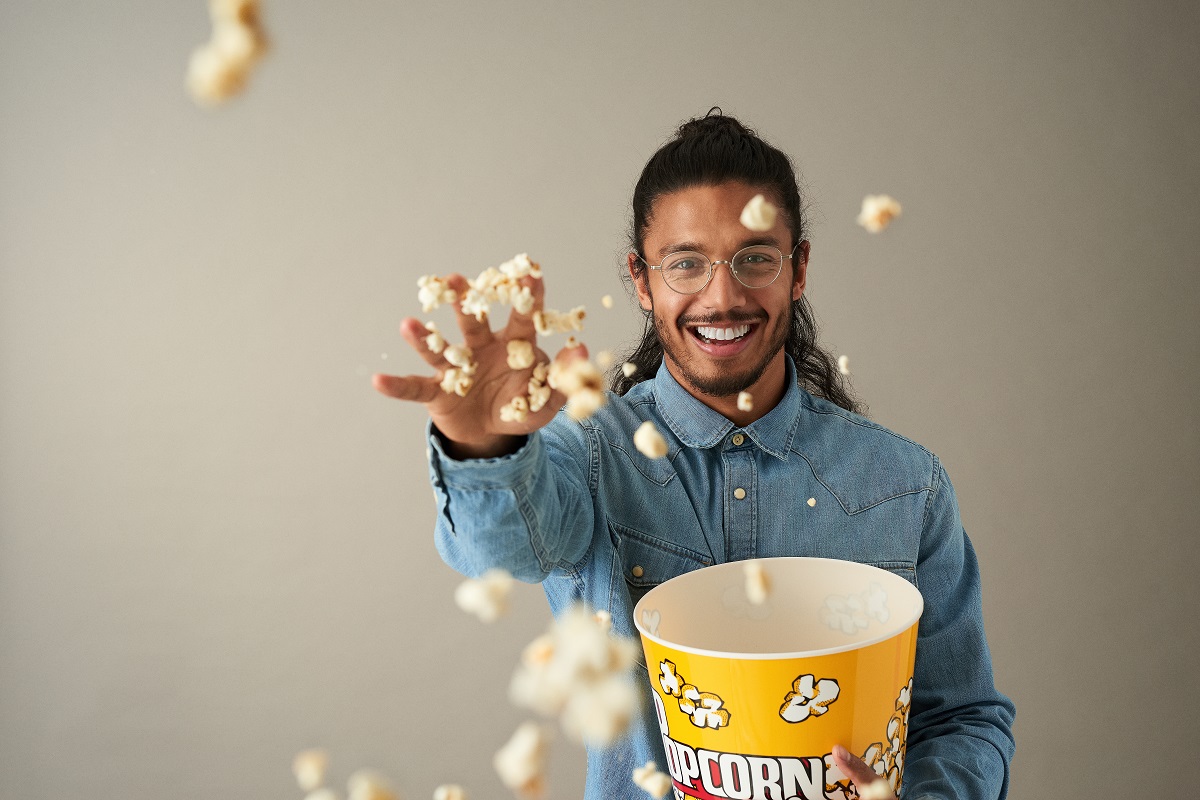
[800,269]
[641,281]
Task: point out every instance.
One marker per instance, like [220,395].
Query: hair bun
[711,123]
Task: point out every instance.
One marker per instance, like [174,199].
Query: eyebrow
[695,247]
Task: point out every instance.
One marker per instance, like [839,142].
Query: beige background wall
[215,539]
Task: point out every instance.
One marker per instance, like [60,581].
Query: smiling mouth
[732,333]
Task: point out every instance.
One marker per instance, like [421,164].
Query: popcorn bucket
[751,697]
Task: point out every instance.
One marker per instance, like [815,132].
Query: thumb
[857,770]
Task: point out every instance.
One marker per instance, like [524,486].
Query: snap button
[738,439]
[739,493]
[638,572]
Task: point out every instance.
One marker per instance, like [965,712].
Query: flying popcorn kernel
[650,780]
[486,596]
[597,713]
[520,354]
[539,391]
[604,359]
[434,340]
[812,502]
[649,441]
[758,215]
[322,794]
[628,368]
[877,211]
[521,763]
[516,410]
[449,791]
[745,401]
[457,381]
[369,785]
[549,321]
[219,69]
[757,583]
[520,266]
[603,619]
[582,383]
[844,365]
[460,355]
[606,301]
[538,652]
[434,291]
[309,768]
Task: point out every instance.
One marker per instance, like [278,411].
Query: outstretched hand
[471,424]
[862,775]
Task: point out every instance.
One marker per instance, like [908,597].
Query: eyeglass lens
[755,267]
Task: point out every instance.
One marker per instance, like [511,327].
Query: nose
[723,290]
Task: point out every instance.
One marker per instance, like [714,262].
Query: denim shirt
[580,510]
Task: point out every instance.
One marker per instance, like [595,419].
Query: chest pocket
[646,561]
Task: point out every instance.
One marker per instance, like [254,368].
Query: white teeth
[723,334]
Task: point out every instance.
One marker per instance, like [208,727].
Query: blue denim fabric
[577,508]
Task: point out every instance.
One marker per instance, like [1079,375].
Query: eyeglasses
[754,267]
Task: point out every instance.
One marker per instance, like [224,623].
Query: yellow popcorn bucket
[751,698]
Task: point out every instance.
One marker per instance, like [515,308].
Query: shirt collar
[697,425]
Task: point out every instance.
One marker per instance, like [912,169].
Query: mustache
[732,316]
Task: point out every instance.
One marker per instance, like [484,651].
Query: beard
[735,379]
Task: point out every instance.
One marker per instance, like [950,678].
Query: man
[575,506]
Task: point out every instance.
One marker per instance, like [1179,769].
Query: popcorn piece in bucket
[520,354]
[877,211]
[745,401]
[606,301]
[516,410]
[369,785]
[757,582]
[650,780]
[878,789]
[434,340]
[549,321]
[812,502]
[434,291]
[449,791]
[628,368]
[521,763]
[220,68]
[486,596]
[758,215]
[309,768]
[649,441]
[844,365]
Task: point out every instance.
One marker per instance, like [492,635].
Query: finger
[415,334]
[417,388]
[854,767]
[520,326]
[476,332]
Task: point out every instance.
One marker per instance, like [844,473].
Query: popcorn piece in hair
[649,441]
[812,502]
[521,763]
[434,292]
[757,582]
[758,215]
[457,381]
[309,768]
[486,596]
[434,340]
[604,359]
[516,410]
[520,354]
[745,401]
[844,365]
[878,789]
[219,69]
[449,791]
[549,321]
[607,301]
[628,368]
[369,785]
[650,780]
[877,211]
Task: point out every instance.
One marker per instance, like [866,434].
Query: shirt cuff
[501,472]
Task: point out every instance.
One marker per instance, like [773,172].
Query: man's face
[726,338]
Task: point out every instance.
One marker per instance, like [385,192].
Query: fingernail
[841,752]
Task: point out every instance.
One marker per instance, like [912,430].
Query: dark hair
[708,151]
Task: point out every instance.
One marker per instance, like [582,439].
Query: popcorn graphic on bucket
[751,697]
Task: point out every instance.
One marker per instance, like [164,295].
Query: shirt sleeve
[960,739]
[528,513]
